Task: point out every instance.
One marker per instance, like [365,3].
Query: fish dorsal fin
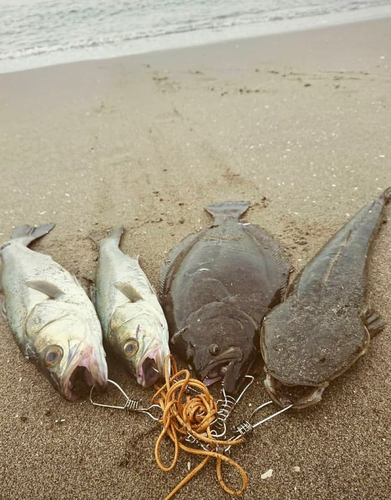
[178,252]
[46,287]
[131,293]
[227,209]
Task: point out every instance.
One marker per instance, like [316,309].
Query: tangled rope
[186,416]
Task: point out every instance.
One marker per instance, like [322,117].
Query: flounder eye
[213,349]
[130,348]
[53,355]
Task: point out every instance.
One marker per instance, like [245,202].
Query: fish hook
[130,404]
[226,407]
[247,426]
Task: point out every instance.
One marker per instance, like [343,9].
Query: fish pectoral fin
[217,292]
[49,289]
[373,321]
[131,293]
[178,334]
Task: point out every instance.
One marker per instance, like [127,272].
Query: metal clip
[226,407]
[193,440]
[246,426]
[130,404]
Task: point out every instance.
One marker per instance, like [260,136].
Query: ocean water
[37,33]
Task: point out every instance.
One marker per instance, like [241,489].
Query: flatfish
[216,287]
[325,324]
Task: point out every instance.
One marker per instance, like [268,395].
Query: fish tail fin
[26,234]
[226,209]
[115,235]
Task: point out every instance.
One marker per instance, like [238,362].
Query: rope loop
[191,413]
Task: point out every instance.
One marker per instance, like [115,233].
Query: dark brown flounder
[216,287]
[325,324]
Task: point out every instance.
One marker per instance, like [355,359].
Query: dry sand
[299,124]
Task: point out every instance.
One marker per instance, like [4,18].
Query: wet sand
[299,124]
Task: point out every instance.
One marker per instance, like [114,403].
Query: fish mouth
[83,366]
[218,368]
[299,396]
[151,367]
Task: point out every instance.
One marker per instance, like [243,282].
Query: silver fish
[50,315]
[133,321]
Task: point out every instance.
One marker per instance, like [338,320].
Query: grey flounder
[50,315]
[325,324]
[216,287]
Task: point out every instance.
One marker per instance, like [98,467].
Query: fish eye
[130,347]
[213,349]
[53,355]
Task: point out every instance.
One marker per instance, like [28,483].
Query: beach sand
[298,124]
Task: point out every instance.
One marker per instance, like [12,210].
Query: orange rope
[191,415]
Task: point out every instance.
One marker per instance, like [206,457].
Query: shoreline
[338,20]
[297,124]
